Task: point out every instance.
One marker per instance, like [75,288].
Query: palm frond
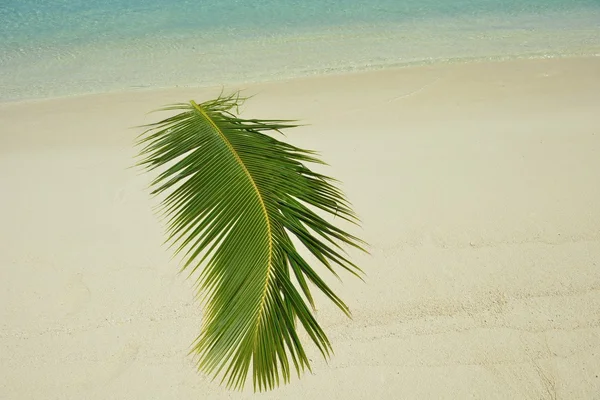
[233,196]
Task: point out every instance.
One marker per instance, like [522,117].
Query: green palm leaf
[233,196]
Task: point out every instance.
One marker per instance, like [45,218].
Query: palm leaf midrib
[262,206]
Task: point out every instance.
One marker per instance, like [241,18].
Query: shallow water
[63,47]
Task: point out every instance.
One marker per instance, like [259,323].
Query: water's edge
[241,85]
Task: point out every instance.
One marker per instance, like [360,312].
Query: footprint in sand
[125,358]
[113,366]
[77,294]
[120,195]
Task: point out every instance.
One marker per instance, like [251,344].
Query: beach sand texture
[479,190]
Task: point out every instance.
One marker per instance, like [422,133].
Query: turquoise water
[63,47]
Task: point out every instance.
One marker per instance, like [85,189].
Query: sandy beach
[479,190]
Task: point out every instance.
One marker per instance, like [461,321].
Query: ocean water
[63,47]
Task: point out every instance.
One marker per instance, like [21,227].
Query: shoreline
[387,68]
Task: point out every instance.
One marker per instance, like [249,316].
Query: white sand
[479,188]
